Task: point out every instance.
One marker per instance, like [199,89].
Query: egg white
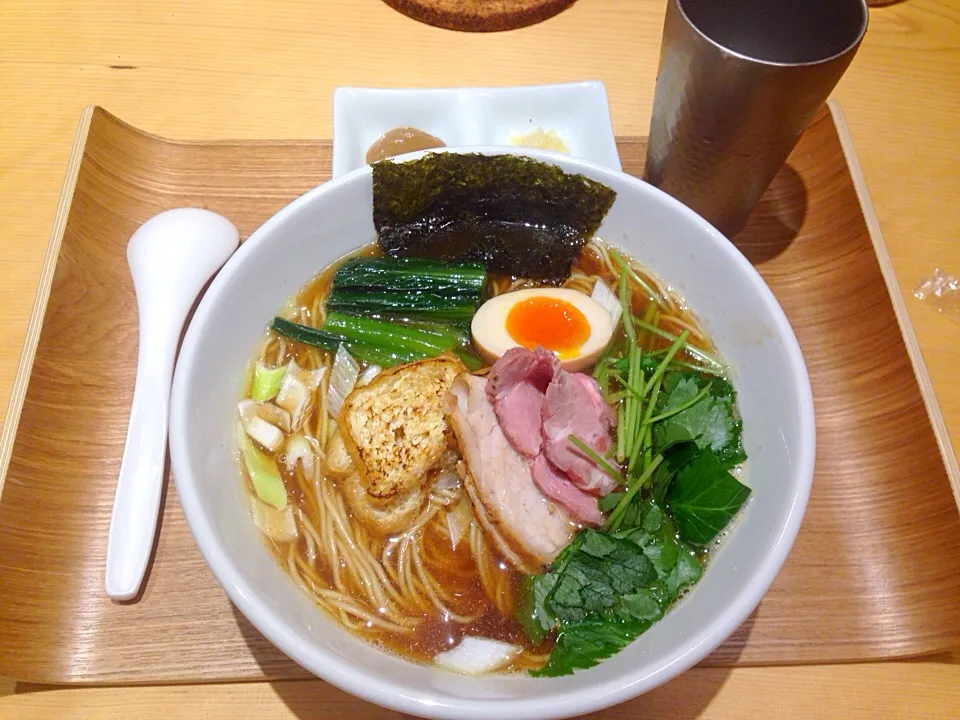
[489,325]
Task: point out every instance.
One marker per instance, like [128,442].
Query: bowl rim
[422,700]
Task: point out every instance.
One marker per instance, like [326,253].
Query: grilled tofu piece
[390,516]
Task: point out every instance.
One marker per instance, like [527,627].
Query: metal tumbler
[739,81]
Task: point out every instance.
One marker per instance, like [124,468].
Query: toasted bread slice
[394,428]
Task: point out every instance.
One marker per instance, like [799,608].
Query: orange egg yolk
[551,323]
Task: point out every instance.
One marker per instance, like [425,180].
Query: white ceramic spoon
[171,257]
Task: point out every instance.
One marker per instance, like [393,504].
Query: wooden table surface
[193,69]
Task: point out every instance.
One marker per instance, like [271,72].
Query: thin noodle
[273,351]
[317,311]
[305,488]
[529,661]
[504,599]
[357,568]
[492,587]
[365,615]
[581,283]
[695,332]
[402,578]
[435,592]
[315,358]
[308,538]
[330,600]
[350,624]
[321,403]
[412,583]
[601,250]
[330,541]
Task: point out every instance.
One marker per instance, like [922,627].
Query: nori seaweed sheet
[518,216]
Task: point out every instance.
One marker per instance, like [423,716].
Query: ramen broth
[474,584]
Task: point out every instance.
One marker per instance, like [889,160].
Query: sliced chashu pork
[528,529]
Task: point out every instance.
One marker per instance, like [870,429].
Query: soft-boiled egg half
[573,325]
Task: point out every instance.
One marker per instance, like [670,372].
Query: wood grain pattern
[258,68]
[480,15]
[873,574]
[822,692]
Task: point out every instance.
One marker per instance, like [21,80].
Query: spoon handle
[137,502]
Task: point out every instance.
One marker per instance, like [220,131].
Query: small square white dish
[578,112]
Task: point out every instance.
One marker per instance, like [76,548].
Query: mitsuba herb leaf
[652,518]
[711,422]
[673,459]
[609,502]
[583,645]
[632,514]
[596,577]
[515,215]
[531,610]
[704,497]
[560,562]
[641,513]
[686,571]
[659,544]
[722,389]
[648,363]
[641,605]
[675,562]
[604,590]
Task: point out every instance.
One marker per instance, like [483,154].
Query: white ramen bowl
[738,311]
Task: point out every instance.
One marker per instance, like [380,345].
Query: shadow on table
[777,219]
[685,697]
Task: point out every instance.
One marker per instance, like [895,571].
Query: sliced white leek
[343,378]
[610,302]
[265,434]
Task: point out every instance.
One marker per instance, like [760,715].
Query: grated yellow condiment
[541,139]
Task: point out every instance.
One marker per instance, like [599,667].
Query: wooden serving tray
[875,572]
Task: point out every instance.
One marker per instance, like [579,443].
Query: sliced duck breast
[557,486]
[516,386]
[573,405]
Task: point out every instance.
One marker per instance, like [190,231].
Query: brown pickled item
[399,141]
